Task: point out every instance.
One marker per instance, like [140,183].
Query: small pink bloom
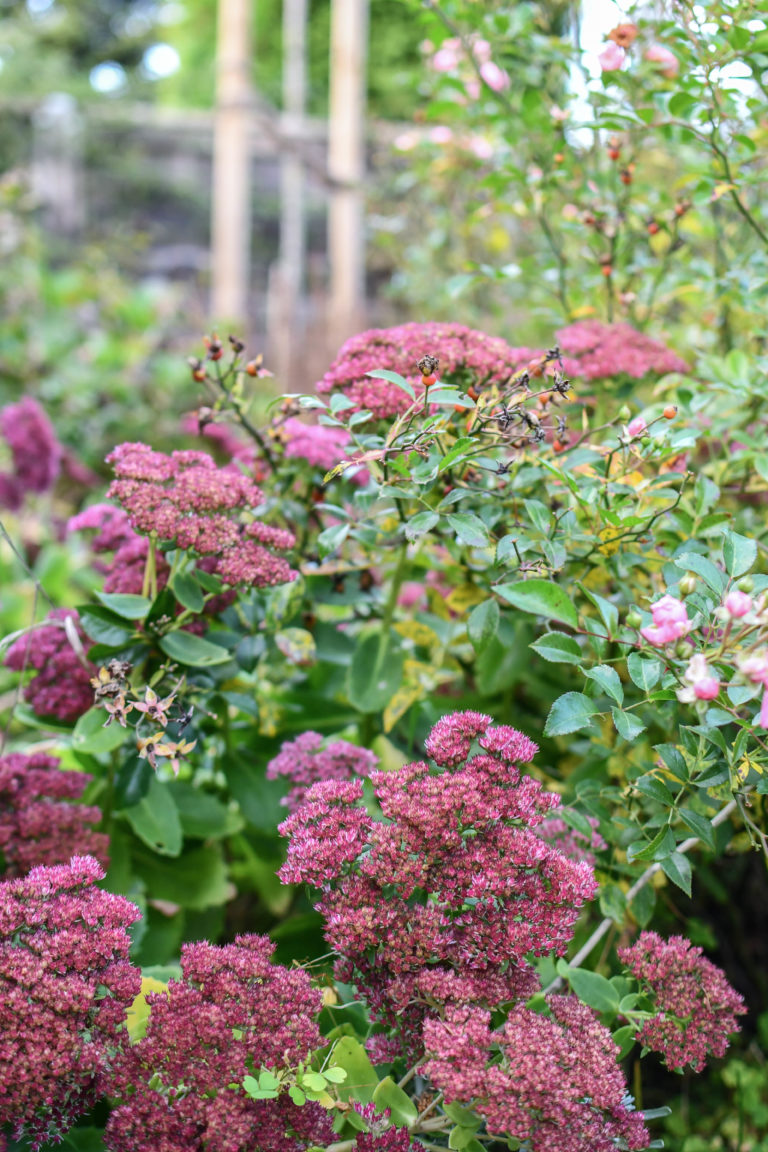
[637,426]
[495,77]
[472,87]
[612,58]
[480,146]
[446,59]
[755,667]
[440,135]
[481,50]
[658,54]
[670,622]
[737,604]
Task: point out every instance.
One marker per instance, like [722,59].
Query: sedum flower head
[65,985]
[35,451]
[697,1006]
[61,687]
[38,824]
[551,1081]
[187,499]
[232,1012]
[442,899]
[308,759]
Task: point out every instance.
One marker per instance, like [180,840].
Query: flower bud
[684,650]
[687,584]
[624,413]
[746,584]
[633,619]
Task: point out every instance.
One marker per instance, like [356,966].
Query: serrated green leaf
[540,598]
[739,554]
[607,679]
[644,671]
[420,524]
[483,624]
[394,378]
[469,529]
[570,713]
[699,825]
[656,789]
[558,648]
[678,868]
[626,724]
[712,577]
[661,845]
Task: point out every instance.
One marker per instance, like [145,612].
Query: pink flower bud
[637,426]
[755,667]
[612,58]
[658,54]
[495,77]
[670,622]
[737,604]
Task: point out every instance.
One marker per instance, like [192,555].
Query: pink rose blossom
[699,683]
[440,135]
[737,604]
[446,59]
[495,77]
[637,426]
[658,54]
[670,622]
[612,58]
[755,667]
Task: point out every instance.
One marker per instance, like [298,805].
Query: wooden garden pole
[346,166]
[287,285]
[231,209]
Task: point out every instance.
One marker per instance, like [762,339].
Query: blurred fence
[137,179]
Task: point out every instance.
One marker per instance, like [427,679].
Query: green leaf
[420,524]
[712,577]
[296,1094]
[558,648]
[335,1075]
[625,1038]
[469,529]
[332,538]
[644,671]
[609,613]
[256,1092]
[124,604]
[375,673]
[607,679]
[197,879]
[188,592]
[570,713]
[89,734]
[394,378]
[461,1116]
[202,815]
[577,821]
[699,825]
[297,645]
[627,725]
[155,819]
[678,868]
[672,759]
[739,554]
[656,789]
[661,845]
[593,989]
[642,904]
[362,1080]
[104,627]
[193,651]
[613,903]
[540,598]
[483,624]
[315,1081]
[402,1109]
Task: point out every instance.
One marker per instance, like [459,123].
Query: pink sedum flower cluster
[308,759]
[466,357]
[441,901]
[38,825]
[552,1082]
[697,1006]
[65,986]
[570,841]
[35,452]
[185,498]
[61,687]
[125,571]
[232,1012]
[381,1135]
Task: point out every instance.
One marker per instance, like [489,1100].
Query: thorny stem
[641,882]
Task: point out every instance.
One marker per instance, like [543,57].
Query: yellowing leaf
[420,633]
[582,312]
[610,538]
[137,1016]
[464,597]
[721,189]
